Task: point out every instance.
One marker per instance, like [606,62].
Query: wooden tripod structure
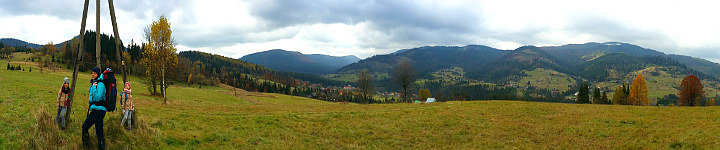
[79,60]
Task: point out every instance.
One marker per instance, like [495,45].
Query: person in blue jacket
[97,112]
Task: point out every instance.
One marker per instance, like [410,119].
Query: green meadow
[228,118]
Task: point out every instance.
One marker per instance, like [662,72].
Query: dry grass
[217,118]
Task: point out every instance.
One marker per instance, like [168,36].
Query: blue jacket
[96,94]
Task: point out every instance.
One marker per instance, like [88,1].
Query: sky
[364,28]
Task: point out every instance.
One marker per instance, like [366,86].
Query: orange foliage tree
[639,92]
[711,102]
[691,91]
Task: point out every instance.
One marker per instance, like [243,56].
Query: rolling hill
[594,62]
[283,60]
[428,59]
[20,43]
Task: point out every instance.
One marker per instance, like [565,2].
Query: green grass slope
[227,118]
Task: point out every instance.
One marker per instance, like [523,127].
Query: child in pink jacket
[127,105]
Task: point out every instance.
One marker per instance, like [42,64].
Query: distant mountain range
[20,43]
[488,64]
[291,61]
[598,62]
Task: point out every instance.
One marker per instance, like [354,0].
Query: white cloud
[364,28]
[42,29]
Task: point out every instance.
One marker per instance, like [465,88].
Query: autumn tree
[583,96]
[404,75]
[49,48]
[621,95]
[189,79]
[638,92]
[424,94]
[7,51]
[711,102]
[160,52]
[691,91]
[365,84]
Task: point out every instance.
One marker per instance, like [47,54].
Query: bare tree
[365,83]
[404,75]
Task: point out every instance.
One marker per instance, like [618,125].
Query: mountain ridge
[293,61]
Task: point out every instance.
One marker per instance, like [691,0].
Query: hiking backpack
[110,90]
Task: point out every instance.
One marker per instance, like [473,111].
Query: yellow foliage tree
[160,52]
[50,49]
[639,92]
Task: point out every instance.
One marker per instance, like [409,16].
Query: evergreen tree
[620,96]
[583,96]
[596,96]
[604,98]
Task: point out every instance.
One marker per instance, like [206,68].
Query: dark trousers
[95,117]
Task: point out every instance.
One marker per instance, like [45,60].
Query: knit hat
[127,84]
[66,80]
[96,70]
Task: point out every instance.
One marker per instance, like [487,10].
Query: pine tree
[620,96]
[583,96]
[604,98]
[596,96]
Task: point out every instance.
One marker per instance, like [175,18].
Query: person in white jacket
[62,103]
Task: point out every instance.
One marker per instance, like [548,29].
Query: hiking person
[127,105]
[62,103]
[95,96]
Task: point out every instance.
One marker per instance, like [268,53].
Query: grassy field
[547,79]
[226,118]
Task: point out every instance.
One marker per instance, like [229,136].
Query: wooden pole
[78,58]
[97,33]
[117,41]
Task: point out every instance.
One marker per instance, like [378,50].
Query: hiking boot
[85,140]
[101,145]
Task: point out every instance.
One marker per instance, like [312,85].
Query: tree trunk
[97,33]
[404,97]
[77,59]
[163,85]
[154,86]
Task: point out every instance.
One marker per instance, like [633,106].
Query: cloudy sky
[369,27]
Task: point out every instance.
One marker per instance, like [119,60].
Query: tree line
[690,94]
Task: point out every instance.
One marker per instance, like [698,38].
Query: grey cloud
[61,9]
[386,16]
